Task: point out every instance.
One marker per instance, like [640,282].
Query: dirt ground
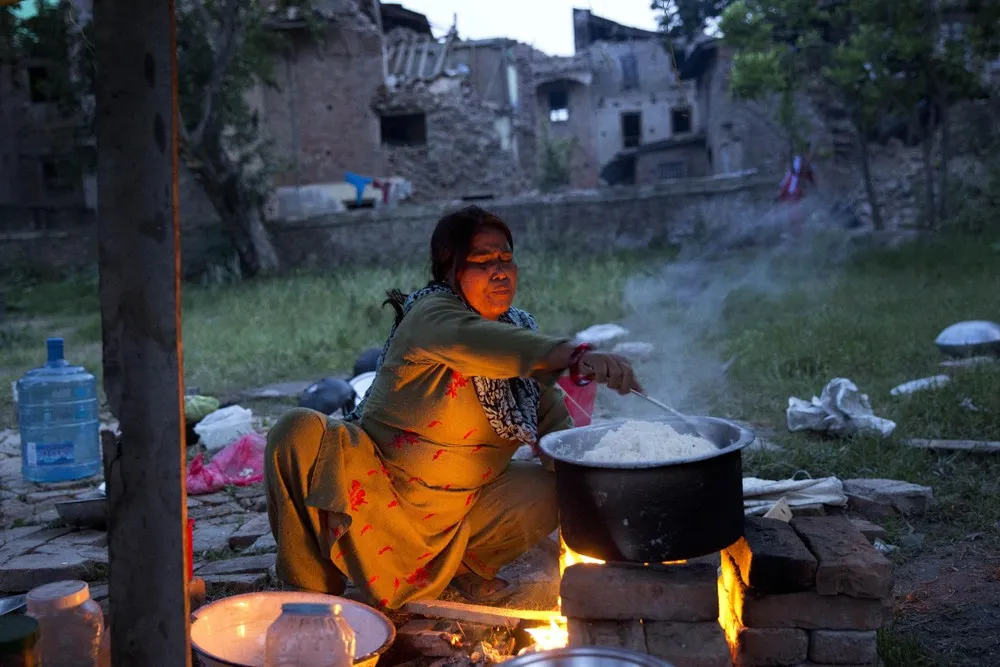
[949,600]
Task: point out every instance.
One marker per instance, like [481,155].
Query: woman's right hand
[612,370]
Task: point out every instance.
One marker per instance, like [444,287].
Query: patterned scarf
[511,405]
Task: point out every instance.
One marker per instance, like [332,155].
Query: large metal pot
[655,511]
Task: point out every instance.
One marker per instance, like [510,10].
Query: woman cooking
[416,490]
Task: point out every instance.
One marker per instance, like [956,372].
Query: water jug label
[50,453]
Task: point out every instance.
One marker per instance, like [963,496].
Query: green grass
[305,326]
[875,323]
[873,320]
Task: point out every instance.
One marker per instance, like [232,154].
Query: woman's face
[489,278]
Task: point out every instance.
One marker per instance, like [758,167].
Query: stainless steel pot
[654,511]
[587,656]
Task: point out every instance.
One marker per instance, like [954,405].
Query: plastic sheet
[841,409]
[240,463]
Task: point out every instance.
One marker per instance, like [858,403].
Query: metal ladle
[663,406]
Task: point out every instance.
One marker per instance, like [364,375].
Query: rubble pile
[470,150]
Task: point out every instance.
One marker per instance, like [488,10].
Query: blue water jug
[57,411]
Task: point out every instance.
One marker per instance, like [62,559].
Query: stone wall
[584,221]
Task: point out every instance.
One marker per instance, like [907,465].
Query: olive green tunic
[421,484]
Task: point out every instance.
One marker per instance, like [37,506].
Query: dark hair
[450,244]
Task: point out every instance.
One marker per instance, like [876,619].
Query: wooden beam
[975,446]
[475,613]
[139,256]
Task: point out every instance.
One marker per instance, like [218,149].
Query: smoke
[741,254]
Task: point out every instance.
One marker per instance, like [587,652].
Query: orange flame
[556,633]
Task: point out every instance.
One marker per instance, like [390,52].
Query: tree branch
[226,44]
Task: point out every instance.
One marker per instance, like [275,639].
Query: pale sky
[546,24]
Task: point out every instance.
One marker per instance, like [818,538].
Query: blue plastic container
[57,411]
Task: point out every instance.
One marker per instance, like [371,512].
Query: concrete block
[847,563]
[656,593]
[843,647]
[772,558]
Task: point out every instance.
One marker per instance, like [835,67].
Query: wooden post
[139,253]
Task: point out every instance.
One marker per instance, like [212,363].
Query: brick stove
[812,592]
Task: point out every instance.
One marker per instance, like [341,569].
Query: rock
[772,558]
[30,540]
[265,544]
[848,563]
[763,647]
[843,647]
[23,573]
[85,538]
[96,555]
[98,592]
[654,593]
[206,512]
[252,529]
[913,540]
[234,584]
[212,536]
[878,498]
[241,565]
[870,530]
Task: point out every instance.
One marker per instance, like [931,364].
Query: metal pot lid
[568,446]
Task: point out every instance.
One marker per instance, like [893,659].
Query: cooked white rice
[641,441]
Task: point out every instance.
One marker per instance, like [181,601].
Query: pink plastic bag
[579,400]
[240,463]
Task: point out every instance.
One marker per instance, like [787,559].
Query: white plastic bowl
[231,632]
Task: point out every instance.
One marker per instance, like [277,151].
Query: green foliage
[687,18]
[555,164]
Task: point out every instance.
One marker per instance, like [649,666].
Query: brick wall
[319,116]
[589,221]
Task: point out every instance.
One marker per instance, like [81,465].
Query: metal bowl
[587,656]
[231,632]
[85,513]
[653,511]
[970,339]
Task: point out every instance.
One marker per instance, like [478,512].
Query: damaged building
[450,116]
[621,107]
[377,96]
[367,98]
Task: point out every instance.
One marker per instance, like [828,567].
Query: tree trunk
[943,181]
[866,175]
[240,212]
[138,252]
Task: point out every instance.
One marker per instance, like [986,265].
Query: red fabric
[579,400]
[240,463]
[190,549]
